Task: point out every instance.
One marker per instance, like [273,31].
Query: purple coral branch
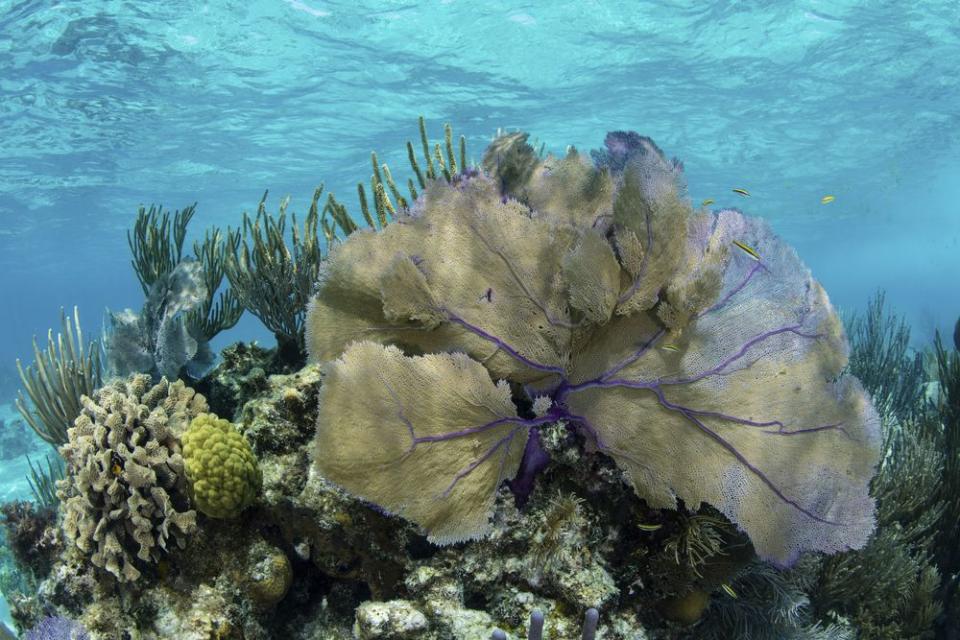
[476,463]
[503,345]
[740,353]
[756,267]
[723,442]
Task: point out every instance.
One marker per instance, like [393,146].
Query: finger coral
[124,496]
[595,295]
[221,469]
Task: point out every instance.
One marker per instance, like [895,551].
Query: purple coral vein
[723,442]
[643,263]
[516,278]
[460,433]
[781,428]
[480,428]
[507,439]
[740,353]
[636,355]
[756,267]
[501,344]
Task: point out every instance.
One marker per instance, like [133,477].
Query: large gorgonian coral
[596,295]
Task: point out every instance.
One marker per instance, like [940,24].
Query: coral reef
[57,628]
[29,536]
[589,393]
[221,469]
[124,496]
[241,374]
[646,329]
[536,626]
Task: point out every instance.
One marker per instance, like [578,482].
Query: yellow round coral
[221,469]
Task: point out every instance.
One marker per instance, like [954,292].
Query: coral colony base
[538,389]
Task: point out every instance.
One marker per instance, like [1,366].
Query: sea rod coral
[545,290]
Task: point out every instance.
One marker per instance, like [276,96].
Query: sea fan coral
[707,372]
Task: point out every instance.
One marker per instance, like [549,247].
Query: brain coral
[594,293]
[124,495]
[221,468]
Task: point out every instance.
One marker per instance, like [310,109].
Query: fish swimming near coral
[827,199]
[747,249]
[741,192]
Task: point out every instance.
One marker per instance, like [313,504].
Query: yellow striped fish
[747,249]
[827,199]
[670,347]
[742,192]
[729,590]
[707,202]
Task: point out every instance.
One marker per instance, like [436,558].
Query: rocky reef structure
[542,385]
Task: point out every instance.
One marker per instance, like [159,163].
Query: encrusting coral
[706,372]
[221,469]
[124,497]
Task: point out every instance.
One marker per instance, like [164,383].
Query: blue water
[106,105]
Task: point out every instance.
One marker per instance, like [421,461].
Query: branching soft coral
[706,374]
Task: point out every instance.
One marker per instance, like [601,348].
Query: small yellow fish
[747,249]
[116,469]
[670,347]
[742,192]
[649,527]
[827,199]
[707,202]
[729,590]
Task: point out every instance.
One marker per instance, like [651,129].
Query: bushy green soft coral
[221,468]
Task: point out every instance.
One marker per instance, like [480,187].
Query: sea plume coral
[706,372]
